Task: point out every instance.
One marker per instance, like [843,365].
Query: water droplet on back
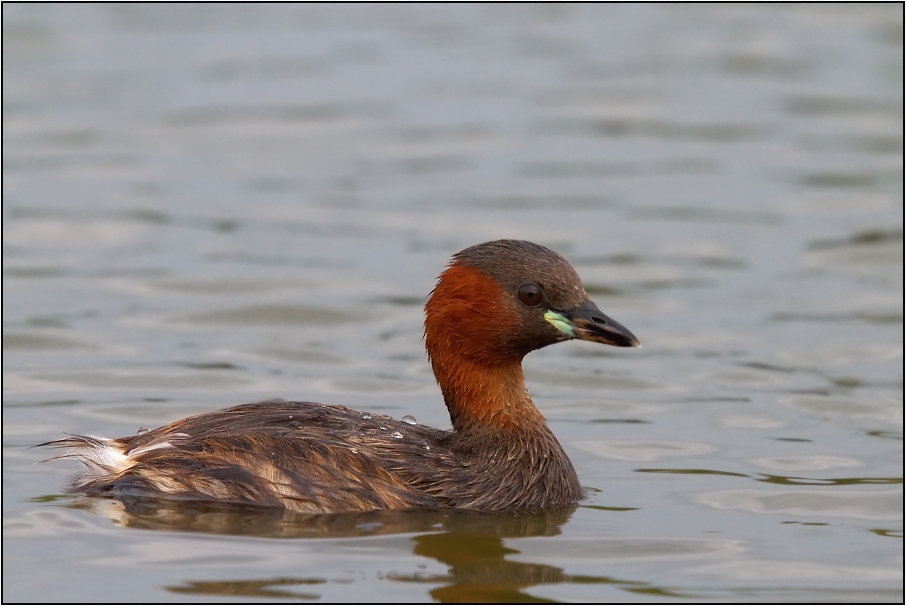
[396,435]
[141,430]
[408,420]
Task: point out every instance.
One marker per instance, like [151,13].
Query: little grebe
[493,304]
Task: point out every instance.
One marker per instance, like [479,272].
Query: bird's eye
[531,294]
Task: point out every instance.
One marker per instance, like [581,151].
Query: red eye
[531,294]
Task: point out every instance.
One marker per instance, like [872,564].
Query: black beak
[589,323]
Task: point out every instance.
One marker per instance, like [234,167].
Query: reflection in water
[480,572]
[887,532]
[254,588]
[235,520]
[471,544]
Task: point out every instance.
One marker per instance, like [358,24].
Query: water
[208,205]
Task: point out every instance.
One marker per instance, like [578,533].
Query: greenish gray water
[205,205]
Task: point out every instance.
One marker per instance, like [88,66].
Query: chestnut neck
[479,374]
[481,397]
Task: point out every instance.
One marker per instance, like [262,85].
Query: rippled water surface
[208,205]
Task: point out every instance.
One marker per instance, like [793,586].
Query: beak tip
[632,341]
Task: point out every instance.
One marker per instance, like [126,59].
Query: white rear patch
[106,457]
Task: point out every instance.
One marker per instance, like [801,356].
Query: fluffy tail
[102,457]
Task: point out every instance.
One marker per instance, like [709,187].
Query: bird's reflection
[276,588]
[224,519]
[479,570]
[470,544]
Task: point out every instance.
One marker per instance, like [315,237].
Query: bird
[492,305]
